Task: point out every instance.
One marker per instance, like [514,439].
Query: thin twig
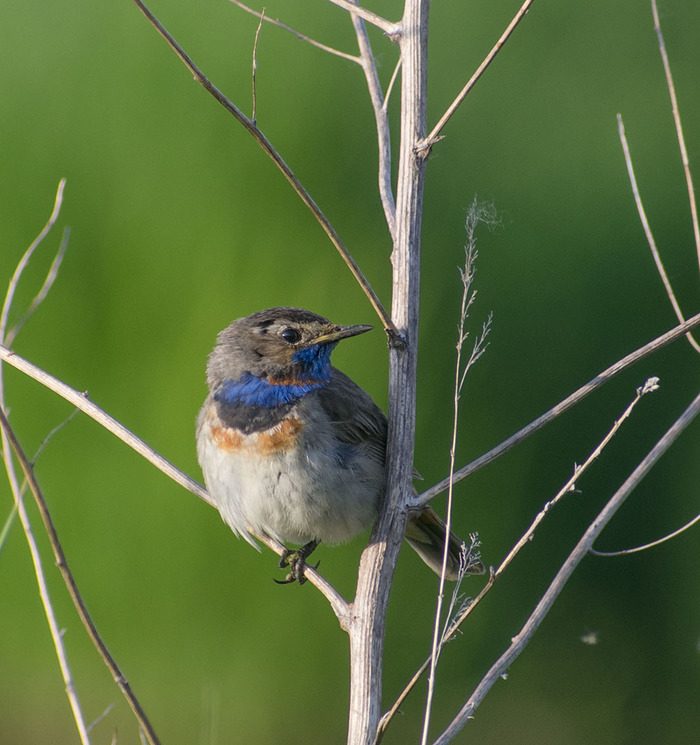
[422,499]
[302,37]
[392,30]
[6,338]
[43,290]
[567,488]
[679,128]
[647,231]
[255,65]
[392,81]
[266,145]
[650,386]
[4,532]
[644,547]
[82,402]
[425,145]
[43,444]
[521,640]
[17,490]
[67,575]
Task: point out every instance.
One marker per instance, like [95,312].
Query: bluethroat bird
[293,448]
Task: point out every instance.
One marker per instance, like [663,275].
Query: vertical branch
[379,559]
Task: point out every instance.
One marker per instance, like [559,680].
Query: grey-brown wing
[357,420]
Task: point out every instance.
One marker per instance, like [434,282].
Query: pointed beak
[336,333]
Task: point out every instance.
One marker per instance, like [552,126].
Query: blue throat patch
[313,370]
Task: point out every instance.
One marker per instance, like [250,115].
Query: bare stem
[379,558]
[423,499]
[521,640]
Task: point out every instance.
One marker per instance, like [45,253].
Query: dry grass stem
[44,593]
[17,489]
[475,214]
[7,337]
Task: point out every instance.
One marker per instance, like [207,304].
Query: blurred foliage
[179,224]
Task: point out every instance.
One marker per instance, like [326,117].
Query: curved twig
[376,95]
[644,547]
[647,231]
[8,337]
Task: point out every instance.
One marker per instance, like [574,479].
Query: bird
[293,448]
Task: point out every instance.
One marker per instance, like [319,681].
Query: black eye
[290,335]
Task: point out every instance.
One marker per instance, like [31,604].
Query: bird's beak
[336,333]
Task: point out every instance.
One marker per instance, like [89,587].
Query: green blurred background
[179,224]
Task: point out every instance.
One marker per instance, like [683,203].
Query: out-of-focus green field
[179,224]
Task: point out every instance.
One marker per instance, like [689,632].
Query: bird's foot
[295,559]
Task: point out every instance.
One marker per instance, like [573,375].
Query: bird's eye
[290,335]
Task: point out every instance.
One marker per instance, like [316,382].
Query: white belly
[280,482]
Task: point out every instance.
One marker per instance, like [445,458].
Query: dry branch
[522,638]
[422,499]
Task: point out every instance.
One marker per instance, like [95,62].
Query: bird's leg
[295,559]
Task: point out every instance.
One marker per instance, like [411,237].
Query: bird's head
[281,345]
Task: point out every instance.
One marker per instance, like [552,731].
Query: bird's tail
[426,535]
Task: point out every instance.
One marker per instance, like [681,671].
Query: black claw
[296,561]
